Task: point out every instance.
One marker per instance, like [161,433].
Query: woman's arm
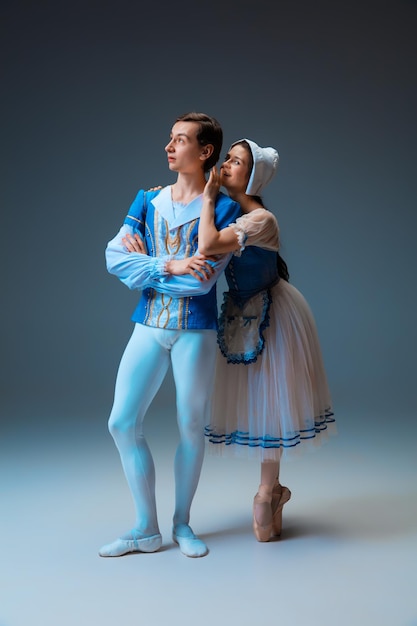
[210,240]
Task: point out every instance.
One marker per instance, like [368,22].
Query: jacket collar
[163,204]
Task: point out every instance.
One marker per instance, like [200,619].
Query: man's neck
[188,187]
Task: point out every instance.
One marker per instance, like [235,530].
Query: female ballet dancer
[271,392]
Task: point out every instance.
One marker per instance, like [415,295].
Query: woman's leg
[269,474]
[268,502]
[262,502]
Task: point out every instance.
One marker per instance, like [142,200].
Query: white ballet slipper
[152,543]
[189,544]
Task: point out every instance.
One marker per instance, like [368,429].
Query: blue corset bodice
[252,272]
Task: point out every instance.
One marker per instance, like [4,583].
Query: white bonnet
[265,164]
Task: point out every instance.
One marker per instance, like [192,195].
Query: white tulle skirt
[282,401]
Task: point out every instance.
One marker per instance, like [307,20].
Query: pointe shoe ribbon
[150,543]
[280,495]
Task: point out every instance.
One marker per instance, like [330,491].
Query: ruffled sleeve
[257,228]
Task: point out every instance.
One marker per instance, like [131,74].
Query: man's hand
[197,266]
[133,243]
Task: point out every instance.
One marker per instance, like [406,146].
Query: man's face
[183,150]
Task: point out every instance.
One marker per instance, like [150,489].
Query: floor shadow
[365,518]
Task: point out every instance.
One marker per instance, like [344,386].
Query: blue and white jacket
[167,301]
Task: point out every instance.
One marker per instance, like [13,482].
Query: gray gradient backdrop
[89,93]
[90,90]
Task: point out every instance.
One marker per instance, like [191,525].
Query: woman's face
[234,172]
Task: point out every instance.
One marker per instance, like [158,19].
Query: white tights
[142,369]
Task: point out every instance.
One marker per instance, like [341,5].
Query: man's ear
[207,151]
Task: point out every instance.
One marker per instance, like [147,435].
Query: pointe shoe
[151,543]
[280,495]
[189,544]
[262,532]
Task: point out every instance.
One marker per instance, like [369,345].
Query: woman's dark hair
[210,133]
[282,268]
[281,264]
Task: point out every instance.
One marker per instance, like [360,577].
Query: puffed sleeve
[257,228]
